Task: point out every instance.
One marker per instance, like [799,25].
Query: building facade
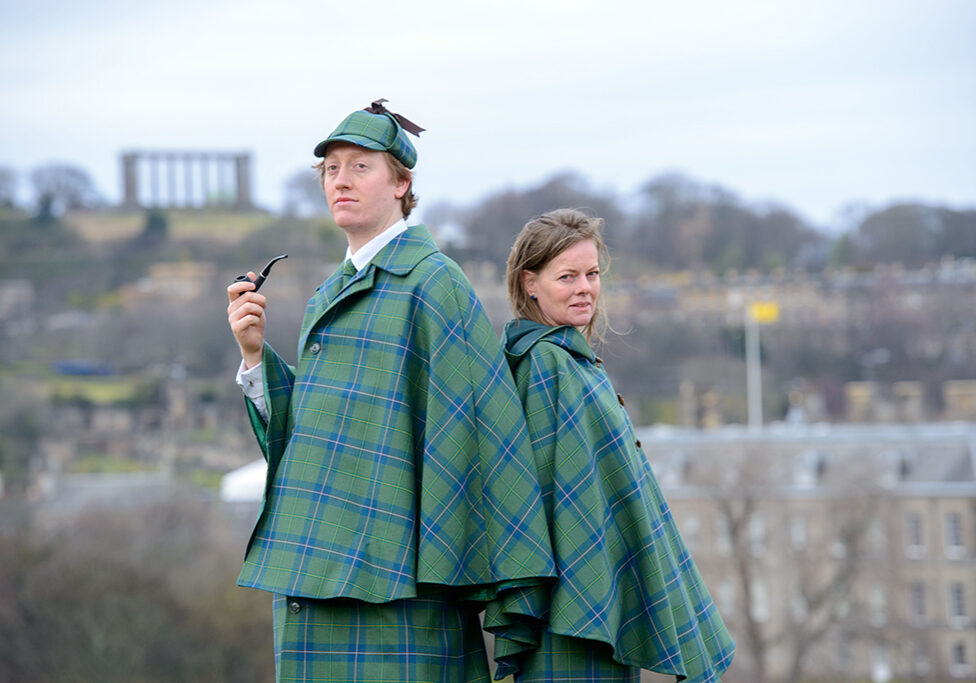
[834,552]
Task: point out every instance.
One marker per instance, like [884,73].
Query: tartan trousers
[427,639]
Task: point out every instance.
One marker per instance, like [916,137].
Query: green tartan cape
[626,577]
[397,450]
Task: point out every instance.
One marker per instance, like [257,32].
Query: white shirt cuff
[251,381]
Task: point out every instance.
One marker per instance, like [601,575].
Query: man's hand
[245,314]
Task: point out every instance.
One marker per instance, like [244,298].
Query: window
[916,596]
[960,660]
[798,532]
[954,547]
[878,602]
[690,530]
[799,605]
[957,605]
[757,535]
[845,654]
[760,601]
[920,660]
[724,527]
[914,540]
[880,664]
[725,596]
[877,537]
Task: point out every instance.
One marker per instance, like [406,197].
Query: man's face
[360,189]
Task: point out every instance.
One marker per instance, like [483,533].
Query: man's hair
[399,172]
[541,240]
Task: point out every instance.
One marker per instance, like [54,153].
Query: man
[401,492]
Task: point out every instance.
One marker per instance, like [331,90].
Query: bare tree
[304,196]
[8,187]
[793,561]
[59,187]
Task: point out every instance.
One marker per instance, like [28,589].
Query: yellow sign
[764,312]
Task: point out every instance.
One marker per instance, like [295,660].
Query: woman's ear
[528,282]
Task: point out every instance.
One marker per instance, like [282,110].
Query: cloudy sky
[813,105]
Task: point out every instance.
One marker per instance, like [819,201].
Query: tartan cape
[397,450]
[626,577]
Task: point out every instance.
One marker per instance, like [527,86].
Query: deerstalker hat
[378,129]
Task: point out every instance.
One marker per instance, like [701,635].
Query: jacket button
[620,399]
[314,348]
[637,443]
[294,607]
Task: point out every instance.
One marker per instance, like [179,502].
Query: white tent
[245,484]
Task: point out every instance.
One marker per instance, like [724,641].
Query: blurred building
[186,179]
[834,552]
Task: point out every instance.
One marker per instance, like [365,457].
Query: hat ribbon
[377,108]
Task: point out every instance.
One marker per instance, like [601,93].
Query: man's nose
[342,176]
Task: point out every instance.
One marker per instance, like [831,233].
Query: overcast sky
[813,105]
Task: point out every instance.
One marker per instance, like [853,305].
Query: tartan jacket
[397,450]
[626,577]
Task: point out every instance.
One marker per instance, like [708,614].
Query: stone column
[188,180]
[171,190]
[153,179]
[242,165]
[205,179]
[130,180]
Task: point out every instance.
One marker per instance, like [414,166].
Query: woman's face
[566,289]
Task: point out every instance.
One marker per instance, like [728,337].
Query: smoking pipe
[259,280]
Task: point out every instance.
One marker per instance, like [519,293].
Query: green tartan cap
[377,129]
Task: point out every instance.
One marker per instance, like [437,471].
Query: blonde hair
[541,240]
[399,172]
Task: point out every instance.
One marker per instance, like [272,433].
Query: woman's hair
[399,172]
[542,239]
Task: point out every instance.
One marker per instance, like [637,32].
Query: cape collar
[521,335]
[399,257]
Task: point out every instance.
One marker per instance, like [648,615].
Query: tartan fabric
[626,577]
[378,132]
[428,639]
[397,448]
[560,659]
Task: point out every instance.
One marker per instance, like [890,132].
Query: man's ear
[402,187]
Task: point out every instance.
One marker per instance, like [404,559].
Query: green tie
[348,272]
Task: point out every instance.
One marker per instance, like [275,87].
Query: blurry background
[817,160]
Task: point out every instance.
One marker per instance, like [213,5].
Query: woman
[628,594]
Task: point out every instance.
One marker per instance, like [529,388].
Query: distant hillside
[97,225]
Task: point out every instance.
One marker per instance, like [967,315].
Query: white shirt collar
[368,251]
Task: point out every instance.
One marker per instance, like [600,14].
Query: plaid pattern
[427,640]
[625,575]
[378,132]
[397,448]
[560,659]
